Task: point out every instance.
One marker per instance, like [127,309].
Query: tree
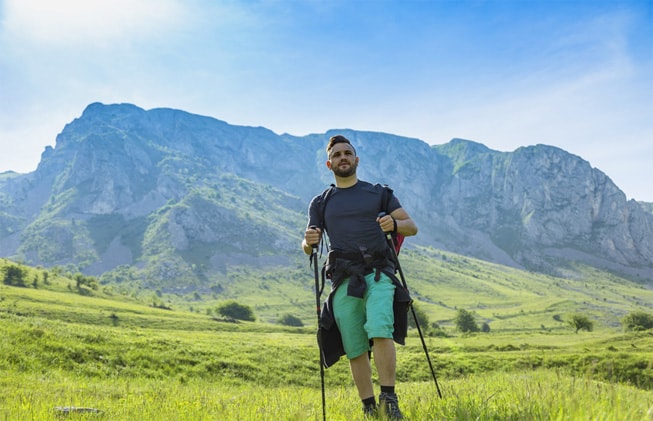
[581,322]
[422,318]
[236,311]
[638,320]
[89,281]
[290,320]
[14,275]
[437,330]
[465,321]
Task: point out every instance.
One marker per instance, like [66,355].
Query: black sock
[388,389]
[369,401]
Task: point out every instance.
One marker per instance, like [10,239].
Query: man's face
[342,160]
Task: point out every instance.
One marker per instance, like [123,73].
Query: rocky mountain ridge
[182,197]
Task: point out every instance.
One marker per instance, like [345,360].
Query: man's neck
[346,182]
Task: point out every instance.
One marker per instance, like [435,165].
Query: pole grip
[381,215]
[314,246]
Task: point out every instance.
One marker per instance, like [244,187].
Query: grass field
[531,395]
[132,361]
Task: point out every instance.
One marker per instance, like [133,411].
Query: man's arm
[405,224]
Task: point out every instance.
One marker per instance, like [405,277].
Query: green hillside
[441,283]
[505,298]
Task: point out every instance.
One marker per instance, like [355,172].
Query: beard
[347,172]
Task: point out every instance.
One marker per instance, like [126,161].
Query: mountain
[178,199]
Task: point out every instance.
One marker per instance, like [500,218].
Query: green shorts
[360,320]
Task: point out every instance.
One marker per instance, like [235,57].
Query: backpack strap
[322,201]
[397,238]
[324,197]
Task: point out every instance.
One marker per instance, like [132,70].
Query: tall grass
[527,395]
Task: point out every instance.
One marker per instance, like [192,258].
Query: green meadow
[65,347]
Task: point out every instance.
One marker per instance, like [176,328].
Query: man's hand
[399,222]
[312,238]
[387,223]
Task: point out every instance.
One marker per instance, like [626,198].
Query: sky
[573,74]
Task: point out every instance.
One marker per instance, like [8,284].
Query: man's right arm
[312,235]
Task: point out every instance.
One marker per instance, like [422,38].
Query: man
[362,272]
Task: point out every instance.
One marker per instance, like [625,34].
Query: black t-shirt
[350,217]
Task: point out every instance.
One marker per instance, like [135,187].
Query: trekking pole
[391,243]
[319,311]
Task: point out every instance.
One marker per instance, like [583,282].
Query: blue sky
[573,74]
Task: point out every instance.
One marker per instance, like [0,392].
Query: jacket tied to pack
[356,266]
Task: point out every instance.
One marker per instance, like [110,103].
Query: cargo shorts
[360,320]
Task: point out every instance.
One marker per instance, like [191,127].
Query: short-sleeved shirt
[350,217]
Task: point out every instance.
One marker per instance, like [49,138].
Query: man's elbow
[410,228]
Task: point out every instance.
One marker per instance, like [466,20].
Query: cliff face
[539,201]
[180,196]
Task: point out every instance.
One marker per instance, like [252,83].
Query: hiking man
[361,269]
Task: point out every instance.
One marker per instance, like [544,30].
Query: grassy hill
[441,283]
[505,298]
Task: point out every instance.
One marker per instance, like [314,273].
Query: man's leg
[361,371]
[349,313]
[380,325]
[385,360]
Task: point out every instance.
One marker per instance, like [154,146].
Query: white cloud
[87,22]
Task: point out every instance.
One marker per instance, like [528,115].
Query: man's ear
[328,164]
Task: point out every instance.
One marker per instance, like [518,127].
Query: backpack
[398,239]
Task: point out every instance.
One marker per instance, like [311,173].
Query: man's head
[342,157]
[334,140]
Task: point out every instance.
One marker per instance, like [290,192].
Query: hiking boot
[370,411]
[389,405]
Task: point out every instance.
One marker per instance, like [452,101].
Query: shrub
[437,331]
[290,320]
[236,311]
[465,321]
[14,275]
[88,281]
[581,322]
[422,318]
[638,320]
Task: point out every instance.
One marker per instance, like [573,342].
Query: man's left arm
[405,224]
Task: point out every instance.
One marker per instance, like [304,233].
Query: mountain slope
[178,198]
